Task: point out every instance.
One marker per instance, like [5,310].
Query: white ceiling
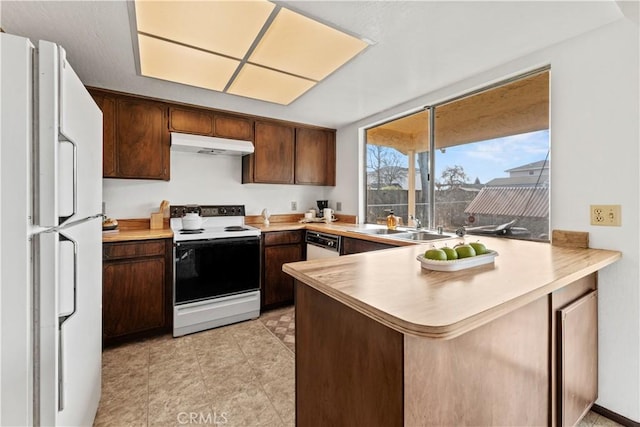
[420,46]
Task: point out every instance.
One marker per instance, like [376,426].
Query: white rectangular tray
[457,264]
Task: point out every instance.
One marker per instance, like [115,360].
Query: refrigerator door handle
[63,317]
[62,219]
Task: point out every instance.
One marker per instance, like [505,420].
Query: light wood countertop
[391,287]
[338,228]
[144,234]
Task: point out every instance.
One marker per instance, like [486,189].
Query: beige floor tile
[249,408]
[171,350]
[224,382]
[219,354]
[273,366]
[237,375]
[123,408]
[257,345]
[281,393]
[589,419]
[601,421]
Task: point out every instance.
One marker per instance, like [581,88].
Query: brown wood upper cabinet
[315,162]
[184,120]
[287,155]
[233,127]
[272,161]
[136,141]
[135,137]
[205,122]
[108,106]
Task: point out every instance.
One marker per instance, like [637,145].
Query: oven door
[206,269]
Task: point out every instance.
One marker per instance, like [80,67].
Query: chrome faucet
[417,222]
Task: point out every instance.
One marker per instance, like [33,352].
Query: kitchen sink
[406,234]
[379,231]
[421,236]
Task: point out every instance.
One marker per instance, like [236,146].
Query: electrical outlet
[607,215]
[338,206]
[294,206]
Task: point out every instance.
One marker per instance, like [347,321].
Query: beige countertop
[143,234]
[391,287]
[339,228]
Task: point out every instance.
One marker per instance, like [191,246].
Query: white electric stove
[217,269]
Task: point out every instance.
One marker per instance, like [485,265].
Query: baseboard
[614,417]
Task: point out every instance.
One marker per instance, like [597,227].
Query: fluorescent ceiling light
[224,27]
[304,47]
[247,48]
[268,85]
[180,64]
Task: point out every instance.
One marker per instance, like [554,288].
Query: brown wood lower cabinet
[279,247]
[356,246]
[136,289]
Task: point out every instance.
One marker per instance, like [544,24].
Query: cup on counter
[312,212]
[328,215]
[309,215]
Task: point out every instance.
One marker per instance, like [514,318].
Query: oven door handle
[211,242]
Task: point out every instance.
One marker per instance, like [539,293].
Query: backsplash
[203,180]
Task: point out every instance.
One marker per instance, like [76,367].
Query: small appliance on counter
[322,205]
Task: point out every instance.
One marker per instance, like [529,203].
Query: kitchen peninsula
[381,341]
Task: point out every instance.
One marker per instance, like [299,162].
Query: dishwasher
[322,245]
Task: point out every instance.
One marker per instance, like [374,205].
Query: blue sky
[489,159]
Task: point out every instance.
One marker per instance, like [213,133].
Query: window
[489,154]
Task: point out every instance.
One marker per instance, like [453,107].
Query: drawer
[133,249]
[282,237]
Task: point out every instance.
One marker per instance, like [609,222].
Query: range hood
[210,145]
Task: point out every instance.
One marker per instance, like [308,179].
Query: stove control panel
[178,211]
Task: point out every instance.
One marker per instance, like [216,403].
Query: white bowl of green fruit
[459,257]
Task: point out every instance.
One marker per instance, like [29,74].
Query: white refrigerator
[50,231]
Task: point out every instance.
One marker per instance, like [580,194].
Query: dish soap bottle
[392,220]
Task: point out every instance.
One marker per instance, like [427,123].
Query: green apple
[436,254]
[465,251]
[451,253]
[480,248]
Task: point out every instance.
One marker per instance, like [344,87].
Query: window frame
[432,108]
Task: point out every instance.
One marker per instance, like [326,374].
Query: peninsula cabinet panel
[577,361]
[233,127]
[315,161]
[349,368]
[272,161]
[136,290]
[142,140]
[197,122]
[108,106]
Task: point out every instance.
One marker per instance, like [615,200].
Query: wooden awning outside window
[518,107]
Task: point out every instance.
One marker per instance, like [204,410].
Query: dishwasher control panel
[326,241]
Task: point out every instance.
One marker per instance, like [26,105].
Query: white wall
[595,136]
[204,179]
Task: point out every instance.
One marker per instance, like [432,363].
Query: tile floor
[238,375]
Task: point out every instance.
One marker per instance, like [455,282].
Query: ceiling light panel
[181,64]
[225,27]
[299,45]
[268,85]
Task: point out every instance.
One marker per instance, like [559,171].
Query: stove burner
[198,231]
[235,228]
